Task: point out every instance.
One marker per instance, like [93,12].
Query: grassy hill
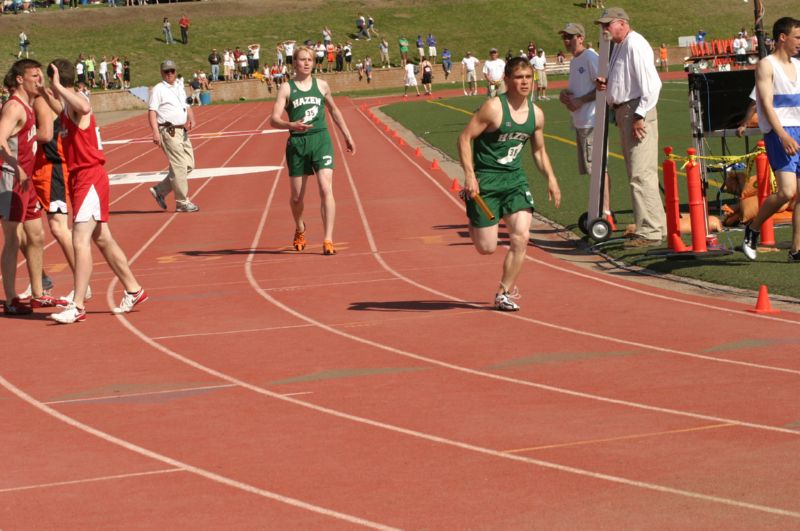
[462,25]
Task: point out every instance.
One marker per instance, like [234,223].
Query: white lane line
[90,480]
[142,394]
[103,398]
[211,135]
[218,478]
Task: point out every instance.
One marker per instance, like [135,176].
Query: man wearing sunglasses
[171,119]
[633,87]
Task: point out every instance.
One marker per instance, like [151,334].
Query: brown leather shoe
[638,242]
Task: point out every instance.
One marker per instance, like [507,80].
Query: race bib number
[511,155]
[310,114]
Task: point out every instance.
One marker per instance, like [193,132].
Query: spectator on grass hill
[24,43]
[166,29]
[447,63]
[420,48]
[431,42]
[184,24]
[383,48]
[402,44]
[214,59]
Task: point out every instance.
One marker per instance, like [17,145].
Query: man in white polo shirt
[493,74]
[171,119]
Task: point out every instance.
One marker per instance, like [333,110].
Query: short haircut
[305,49]
[516,63]
[784,25]
[66,71]
[18,69]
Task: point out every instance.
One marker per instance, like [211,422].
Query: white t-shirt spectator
[493,69]
[539,62]
[582,73]
[470,63]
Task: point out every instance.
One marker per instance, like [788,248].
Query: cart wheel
[703,64]
[752,59]
[599,230]
[582,222]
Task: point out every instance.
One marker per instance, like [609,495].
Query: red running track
[260,387]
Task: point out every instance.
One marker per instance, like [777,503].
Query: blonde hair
[302,48]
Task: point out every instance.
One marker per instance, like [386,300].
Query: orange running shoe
[328,248]
[299,240]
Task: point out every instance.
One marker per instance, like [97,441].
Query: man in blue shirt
[431,40]
[447,63]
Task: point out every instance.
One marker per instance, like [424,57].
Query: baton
[483,206]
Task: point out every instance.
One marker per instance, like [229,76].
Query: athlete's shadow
[413,306]
[126,212]
[244,252]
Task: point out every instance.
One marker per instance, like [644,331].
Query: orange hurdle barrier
[764,190]
[673,204]
[697,210]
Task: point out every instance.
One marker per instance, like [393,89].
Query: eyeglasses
[567,37]
[169,71]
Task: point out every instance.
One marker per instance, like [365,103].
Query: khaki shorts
[583,137]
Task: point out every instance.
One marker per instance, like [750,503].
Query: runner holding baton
[489,148]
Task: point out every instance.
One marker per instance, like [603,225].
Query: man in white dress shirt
[171,119]
[633,87]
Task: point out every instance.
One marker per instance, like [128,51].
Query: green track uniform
[312,150]
[498,168]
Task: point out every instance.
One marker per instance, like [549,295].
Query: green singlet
[498,151]
[498,167]
[307,106]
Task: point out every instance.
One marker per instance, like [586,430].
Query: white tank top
[785,97]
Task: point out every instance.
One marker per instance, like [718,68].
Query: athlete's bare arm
[338,119]
[542,160]
[78,105]
[487,118]
[277,120]
[44,120]
[12,119]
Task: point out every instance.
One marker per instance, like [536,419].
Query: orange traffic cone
[456,186]
[387,129]
[418,152]
[394,134]
[763,305]
[435,165]
[401,142]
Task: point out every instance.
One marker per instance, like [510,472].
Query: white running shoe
[129,300]
[70,315]
[71,297]
[47,287]
[505,301]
